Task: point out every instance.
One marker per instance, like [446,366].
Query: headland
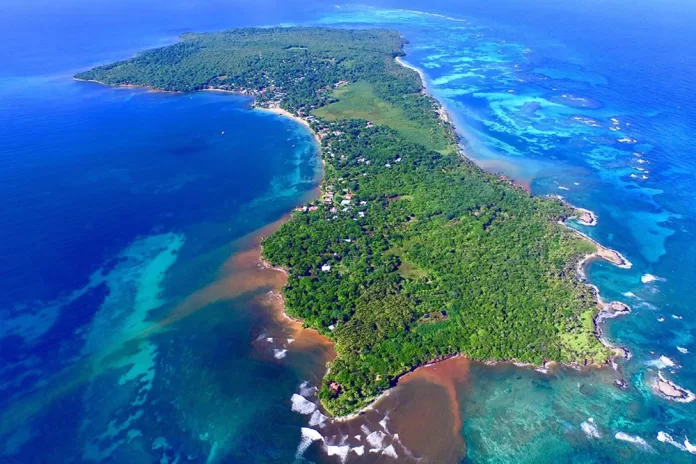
[411,253]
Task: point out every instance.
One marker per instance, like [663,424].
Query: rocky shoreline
[608,310]
[671,391]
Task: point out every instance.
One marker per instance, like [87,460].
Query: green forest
[411,253]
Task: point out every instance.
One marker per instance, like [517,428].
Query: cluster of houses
[305,208]
[328,197]
[322,134]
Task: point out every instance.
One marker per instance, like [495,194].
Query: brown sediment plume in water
[243,273]
[435,411]
[511,171]
[309,349]
[420,419]
[307,352]
[448,374]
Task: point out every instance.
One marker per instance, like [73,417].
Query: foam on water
[390,451]
[302,405]
[309,436]
[317,419]
[590,428]
[383,423]
[359,450]
[340,451]
[689,447]
[667,438]
[376,439]
[662,362]
[307,390]
[648,278]
[636,440]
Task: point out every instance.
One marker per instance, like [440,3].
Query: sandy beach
[287,114]
[399,60]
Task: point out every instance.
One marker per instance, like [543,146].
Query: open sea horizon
[136,324]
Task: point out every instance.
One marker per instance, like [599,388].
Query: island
[411,253]
[669,390]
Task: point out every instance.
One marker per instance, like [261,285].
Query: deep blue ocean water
[121,207]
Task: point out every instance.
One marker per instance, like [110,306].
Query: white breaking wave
[308,437]
[667,438]
[689,447]
[630,294]
[306,389]
[302,405]
[317,418]
[662,363]
[390,451]
[590,429]
[359,450]
[376,439]
[383,423]
[435,15]
[340,451]
[682,350]
[635,439]
[647,278]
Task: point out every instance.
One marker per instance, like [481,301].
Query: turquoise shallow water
[589,120]
[136,326]
[147,195]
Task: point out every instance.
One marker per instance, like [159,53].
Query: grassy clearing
[358,101]
[407,270]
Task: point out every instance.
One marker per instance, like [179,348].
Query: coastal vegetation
[412,253]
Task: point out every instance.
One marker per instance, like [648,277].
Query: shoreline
[128,86]
[670,391]
[399,59]
[298,119]
[445,118]
[586,218]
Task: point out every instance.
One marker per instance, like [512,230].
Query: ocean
[136,324]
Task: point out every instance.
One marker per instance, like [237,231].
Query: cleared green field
[358,101]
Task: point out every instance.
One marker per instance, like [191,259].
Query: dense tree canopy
[412,253]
